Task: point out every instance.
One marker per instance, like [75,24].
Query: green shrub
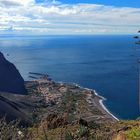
[69,136]
[82,132]
[133,134]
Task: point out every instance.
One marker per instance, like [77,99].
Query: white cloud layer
[16,2]
[57,18]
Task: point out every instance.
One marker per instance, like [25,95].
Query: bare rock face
[10,78]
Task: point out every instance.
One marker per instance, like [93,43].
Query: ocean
[106,63]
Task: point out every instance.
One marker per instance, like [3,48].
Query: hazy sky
[69,16]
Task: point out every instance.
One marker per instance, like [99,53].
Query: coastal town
[62,98]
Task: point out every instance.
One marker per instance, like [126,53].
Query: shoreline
[97,100]
[101,100]
[103,106]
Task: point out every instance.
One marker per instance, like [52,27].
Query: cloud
[52,17]
[7,3]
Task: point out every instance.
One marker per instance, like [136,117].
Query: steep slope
[21,107]
[10,110]
[10,78]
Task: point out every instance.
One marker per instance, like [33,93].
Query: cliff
[10,78]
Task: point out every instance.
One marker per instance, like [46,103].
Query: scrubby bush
[83,132]
[10,131]
[69,136]
[133,134]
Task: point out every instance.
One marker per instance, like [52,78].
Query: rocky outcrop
[10,78]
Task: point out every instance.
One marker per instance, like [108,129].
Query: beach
[98,101]
[103,107]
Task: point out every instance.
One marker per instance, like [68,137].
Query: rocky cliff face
[10,78]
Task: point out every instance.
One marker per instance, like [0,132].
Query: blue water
[105,63]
